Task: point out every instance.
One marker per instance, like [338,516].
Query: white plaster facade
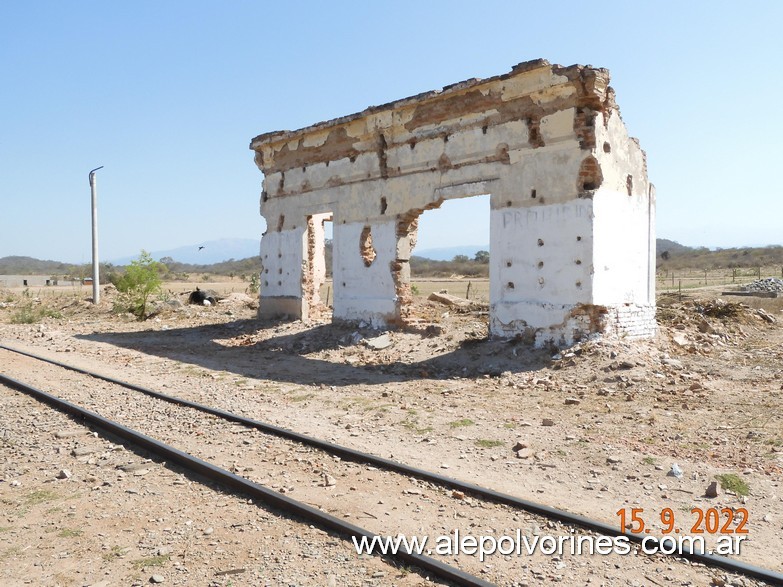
[572,245]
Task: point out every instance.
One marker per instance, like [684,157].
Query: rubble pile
[768,284]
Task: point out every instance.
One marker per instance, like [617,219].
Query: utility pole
[96,292]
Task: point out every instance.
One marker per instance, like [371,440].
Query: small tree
[140,280]
[481,257]
[460,259]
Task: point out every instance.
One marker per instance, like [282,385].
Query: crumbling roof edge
[524,67]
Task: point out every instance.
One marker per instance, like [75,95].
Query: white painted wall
[282,255]
[361,292]
[549,278]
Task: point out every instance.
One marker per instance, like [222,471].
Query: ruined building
[572,245]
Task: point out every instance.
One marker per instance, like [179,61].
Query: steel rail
[711,560]
[245,486]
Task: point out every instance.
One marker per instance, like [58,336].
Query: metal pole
[96,292]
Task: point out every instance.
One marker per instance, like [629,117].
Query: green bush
[141,279]
[733,482]
[26,314]
[255,283]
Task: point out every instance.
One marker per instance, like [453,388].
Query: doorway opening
[316,276]
[449,253]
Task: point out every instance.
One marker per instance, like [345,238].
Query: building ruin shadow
[236,347]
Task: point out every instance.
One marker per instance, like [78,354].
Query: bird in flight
[201,247]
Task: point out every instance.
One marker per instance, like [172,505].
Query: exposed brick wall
[631,321]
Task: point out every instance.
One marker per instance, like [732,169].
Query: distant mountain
[31,266]
[448,253]
[215,254]
[674,248]
[212,252]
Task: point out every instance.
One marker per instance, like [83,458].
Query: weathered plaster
[572,212]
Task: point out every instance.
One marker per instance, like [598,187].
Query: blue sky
[167,95]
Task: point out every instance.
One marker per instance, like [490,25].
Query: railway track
[319,461]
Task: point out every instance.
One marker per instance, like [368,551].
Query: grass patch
[5,529]
[411,423]
[69,533]
[28,315]
[649,460]
[153,561]
[461,423]
[510,425]
[115,553]
[733,482]
[303,397]
[484,443]
[41,496]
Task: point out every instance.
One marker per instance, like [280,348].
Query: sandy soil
[600,426]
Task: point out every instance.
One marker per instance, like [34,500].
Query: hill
[672,255]
[16,265]
[235,259]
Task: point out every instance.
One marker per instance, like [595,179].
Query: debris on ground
[768,284]
[199,297]
[445,298]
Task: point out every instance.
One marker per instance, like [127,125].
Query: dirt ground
[598,428]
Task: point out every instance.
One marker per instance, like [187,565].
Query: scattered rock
[712,490]
[328,480]
[379,342]
[64,474]
[449,300]
[83,451]
[433,330]
[547,422]
[614,460]
[675,471]
[157,579]
[674,363]
[519,445]
[572,401]
[68,433]
[133,467]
